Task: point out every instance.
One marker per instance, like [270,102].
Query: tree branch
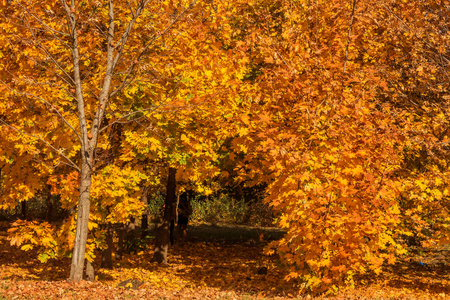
[45,102]
[71,163]
[142,53]
[348,36]
[49,55]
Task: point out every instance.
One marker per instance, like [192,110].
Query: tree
[109,63]
[162,230]
[326,135]
[415,56]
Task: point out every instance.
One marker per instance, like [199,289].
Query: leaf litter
[210,270]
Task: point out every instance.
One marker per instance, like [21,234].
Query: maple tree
[70,84]
[329,132]
[339,109]
[415,60]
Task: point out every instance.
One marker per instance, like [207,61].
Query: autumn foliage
[340,109]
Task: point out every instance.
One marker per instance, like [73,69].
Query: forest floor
[218,262]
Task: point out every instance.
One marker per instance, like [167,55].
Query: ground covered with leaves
[217,263]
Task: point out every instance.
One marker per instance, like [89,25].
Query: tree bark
[84,202]
[120,244]
[144,218]
[24,210]
[88,142]
[107,253]
[90,275]
[49,200]
[122,232]
[163,228]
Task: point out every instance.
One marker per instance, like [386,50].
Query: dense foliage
[335,112]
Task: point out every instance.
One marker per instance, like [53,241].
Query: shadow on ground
[226,258]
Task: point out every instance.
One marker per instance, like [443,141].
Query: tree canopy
[339,109]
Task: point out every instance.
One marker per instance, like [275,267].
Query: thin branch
[142,53]
[348,36]
[123,40]
[71,163]
[98,28]
[38,29]
[410,30]
[104,94]
[38,62]
[71,23]
[39,161]
[147,111]
[45,102]
[49,55]
[131,8]
[42,22]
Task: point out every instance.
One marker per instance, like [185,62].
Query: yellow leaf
[26,247]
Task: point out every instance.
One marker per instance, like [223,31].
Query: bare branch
[147,111]
[405,26]
[71,23]
[131,9]
[38,29]
[34,15]
[104,94]
[121,43]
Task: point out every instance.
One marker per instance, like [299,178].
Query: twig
[71,163]
[348,36]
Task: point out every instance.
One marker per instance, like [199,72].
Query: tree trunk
[107,253]
[24,210]
[90,275]
[122,232]
[49,200]
[144,225]
[144,218]
[120,245]
[84,202]
[163,228]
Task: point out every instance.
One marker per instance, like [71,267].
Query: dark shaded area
[232,233]
[43,207]
[163,232]
[231,258]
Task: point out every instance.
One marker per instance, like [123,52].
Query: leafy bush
[154,206]
[134,242]
[225,209]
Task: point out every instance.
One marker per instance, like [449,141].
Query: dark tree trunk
[120,244]
[144,218]
[122,234]
[49,200]
[144,225]
[24,210]
[191,194]
[163,228]
[107,253]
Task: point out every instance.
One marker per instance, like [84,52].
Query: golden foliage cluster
[340,107]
